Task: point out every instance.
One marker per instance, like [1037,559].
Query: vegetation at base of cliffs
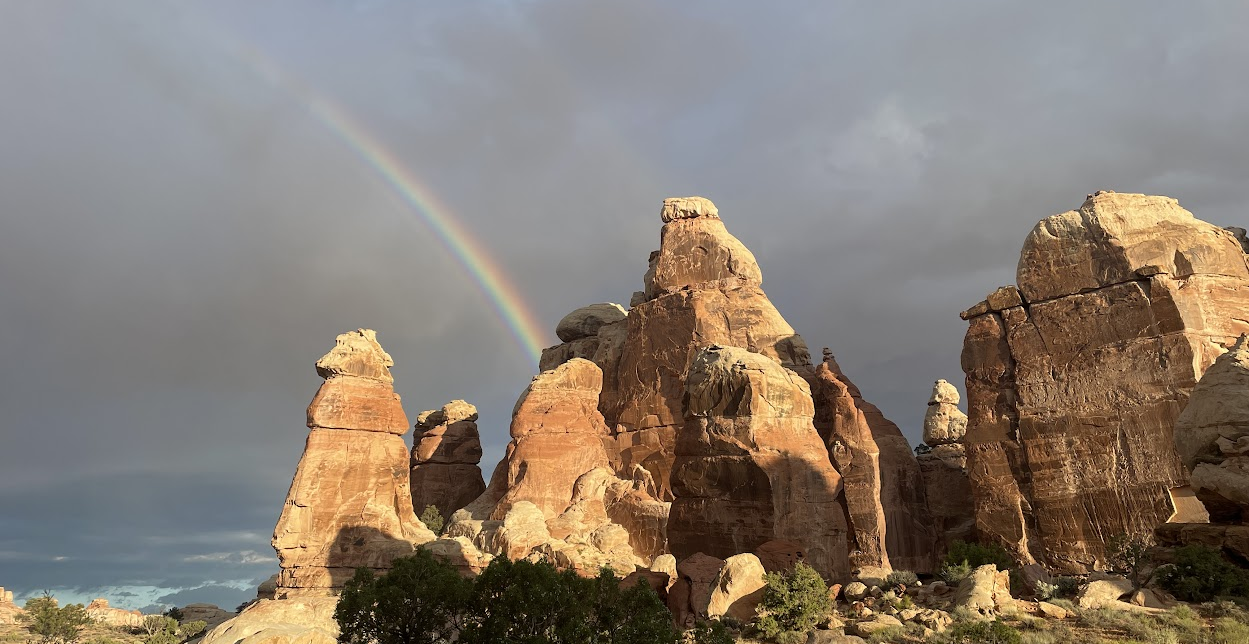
[711,633]
[904,578]
[963,557]
[54,624]
[425,600]
[432,519]
[1130,555]
[1201,574]
[161,629]
[793,602]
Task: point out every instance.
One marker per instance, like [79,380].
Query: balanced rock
[1212,436]
[350,503]
[1073,392]
[586,321]
[944,466]
[592,332]
[944,422]
[445,457]
[750,466]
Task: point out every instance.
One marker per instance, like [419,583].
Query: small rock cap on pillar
[357,353]
[688,208]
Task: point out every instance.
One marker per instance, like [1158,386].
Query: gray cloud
[181,239]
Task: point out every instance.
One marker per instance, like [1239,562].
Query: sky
[182,233]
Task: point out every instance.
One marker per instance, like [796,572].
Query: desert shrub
[432,519]
[1224,608]
[981,632]
[54,624]
[161,629]
[904,602]
[886,635]
[1200,574]
[954,573]
[793,601]
[901,578]
[1045,590]
[1065,604]
[175,613]
[1067,586]
[424,600]
[791,637]
[976,555]
[1229,631]
[710,633]
[1129,555]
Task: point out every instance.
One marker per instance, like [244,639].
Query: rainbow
[490,278]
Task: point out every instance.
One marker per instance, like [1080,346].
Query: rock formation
[350,504]
[445,457]
[580,331]
[943,461]
[908,537]
[9,612]
[750,467]
[1076,376]
[1212,436]
[100,611]
[555,494]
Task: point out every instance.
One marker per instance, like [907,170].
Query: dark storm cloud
[180,240]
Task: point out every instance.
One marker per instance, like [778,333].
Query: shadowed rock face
[1212,436]
[750,467]
[944,466]
[445,457]
[349,504]
[1076,377]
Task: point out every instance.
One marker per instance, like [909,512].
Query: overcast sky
[180,238]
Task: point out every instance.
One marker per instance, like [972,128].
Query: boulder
[738,589]
[944,422]
[877,623]
[1052,611]
[350,503]
[445,455]
[854,591]
[750,466]
[700,573]
[302,620]
[985,591]
[1073,393]
[1103,592]
[586,321]
[1212,436]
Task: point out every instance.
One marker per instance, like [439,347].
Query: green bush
[432,519]
[710,633]
[793,601]
[424,600]
[1229,631]
[901,578]
[53,624]
[162,629]
[1200,574]
[980,632]
[976,555]
[175,613]
[1129,555]
[952,574]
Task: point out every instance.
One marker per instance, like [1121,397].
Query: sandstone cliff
[1076,376]
[349,504]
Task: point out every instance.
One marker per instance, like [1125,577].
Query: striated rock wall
[750,466]
[350,504]
[1076,376]
[446,451]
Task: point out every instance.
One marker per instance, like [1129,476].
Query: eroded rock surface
[1075,378]
[100,611]
[1212,436]
[350,504]
[445,457]
[750,466]
[944,466]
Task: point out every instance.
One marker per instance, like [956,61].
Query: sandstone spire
[349,504]
[1212,436]
[944,465]
[1076,377]
[445,457]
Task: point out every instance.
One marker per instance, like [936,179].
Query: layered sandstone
[1212,436]
[101,612]
[750,466]
[943,461]
[1075,378]
[555,495]
[10,613]
[350,503]
[445,455]
[909,537]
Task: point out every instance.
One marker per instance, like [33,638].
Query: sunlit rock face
[349,504]
[750,467]
[944,465]
[445,455]
[1076,376]
[1212,436]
